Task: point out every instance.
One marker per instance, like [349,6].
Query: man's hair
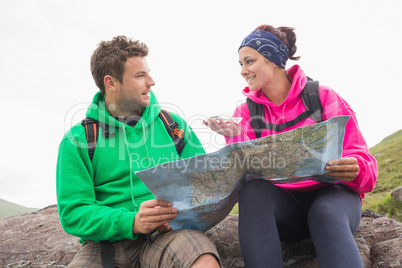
[110,56]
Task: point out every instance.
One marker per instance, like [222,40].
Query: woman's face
[255,68]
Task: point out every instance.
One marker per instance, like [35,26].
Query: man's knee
[190,247]
[206,260]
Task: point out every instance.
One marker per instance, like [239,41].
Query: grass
[235,209]
[388,206]
[388,155]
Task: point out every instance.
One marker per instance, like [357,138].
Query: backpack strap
[92,133]
[106,254]
[256,116]
[172,128]
[311,100]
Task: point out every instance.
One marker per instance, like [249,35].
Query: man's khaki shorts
[173,249]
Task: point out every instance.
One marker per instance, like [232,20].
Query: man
[101,199]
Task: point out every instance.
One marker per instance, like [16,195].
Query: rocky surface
[379,240]
[397,194]
[35,238]
[38,240]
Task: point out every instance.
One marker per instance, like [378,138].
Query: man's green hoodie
[98,200]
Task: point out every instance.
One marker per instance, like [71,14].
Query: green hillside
[388,154]
[11,209]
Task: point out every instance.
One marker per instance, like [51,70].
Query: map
[204,188]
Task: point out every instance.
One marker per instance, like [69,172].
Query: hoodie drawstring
[131,169]
[145,145]
[131,162]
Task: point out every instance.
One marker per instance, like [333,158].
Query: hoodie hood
[97,110]
[298,79]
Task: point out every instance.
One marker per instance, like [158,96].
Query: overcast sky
[352,46]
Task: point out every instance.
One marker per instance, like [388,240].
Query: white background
[353,46]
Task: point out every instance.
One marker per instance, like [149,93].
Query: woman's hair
[110,56]
[286,35]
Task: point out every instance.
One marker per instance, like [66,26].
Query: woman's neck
[278,88]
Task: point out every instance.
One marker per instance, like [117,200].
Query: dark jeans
[269,214]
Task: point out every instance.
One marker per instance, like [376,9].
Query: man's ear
[110,83]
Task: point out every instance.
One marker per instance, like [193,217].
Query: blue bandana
[268,45]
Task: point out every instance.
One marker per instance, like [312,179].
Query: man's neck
[116,111]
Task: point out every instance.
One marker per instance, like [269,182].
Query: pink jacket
[354,144]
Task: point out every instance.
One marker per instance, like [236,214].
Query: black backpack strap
[311,99]
[106,254]
[256,116]
[92,133]
[257,119]
[172,128]
[288,124]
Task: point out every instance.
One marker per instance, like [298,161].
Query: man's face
[133,92]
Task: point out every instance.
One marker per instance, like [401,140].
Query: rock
[37,240]
[224,236]
[383,253]
[397,194]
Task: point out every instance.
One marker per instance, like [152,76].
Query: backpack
[92,131]
[311,100]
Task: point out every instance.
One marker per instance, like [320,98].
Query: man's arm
[80,214]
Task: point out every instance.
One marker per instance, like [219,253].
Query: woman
[268,213]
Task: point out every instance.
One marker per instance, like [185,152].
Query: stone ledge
[37,240]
